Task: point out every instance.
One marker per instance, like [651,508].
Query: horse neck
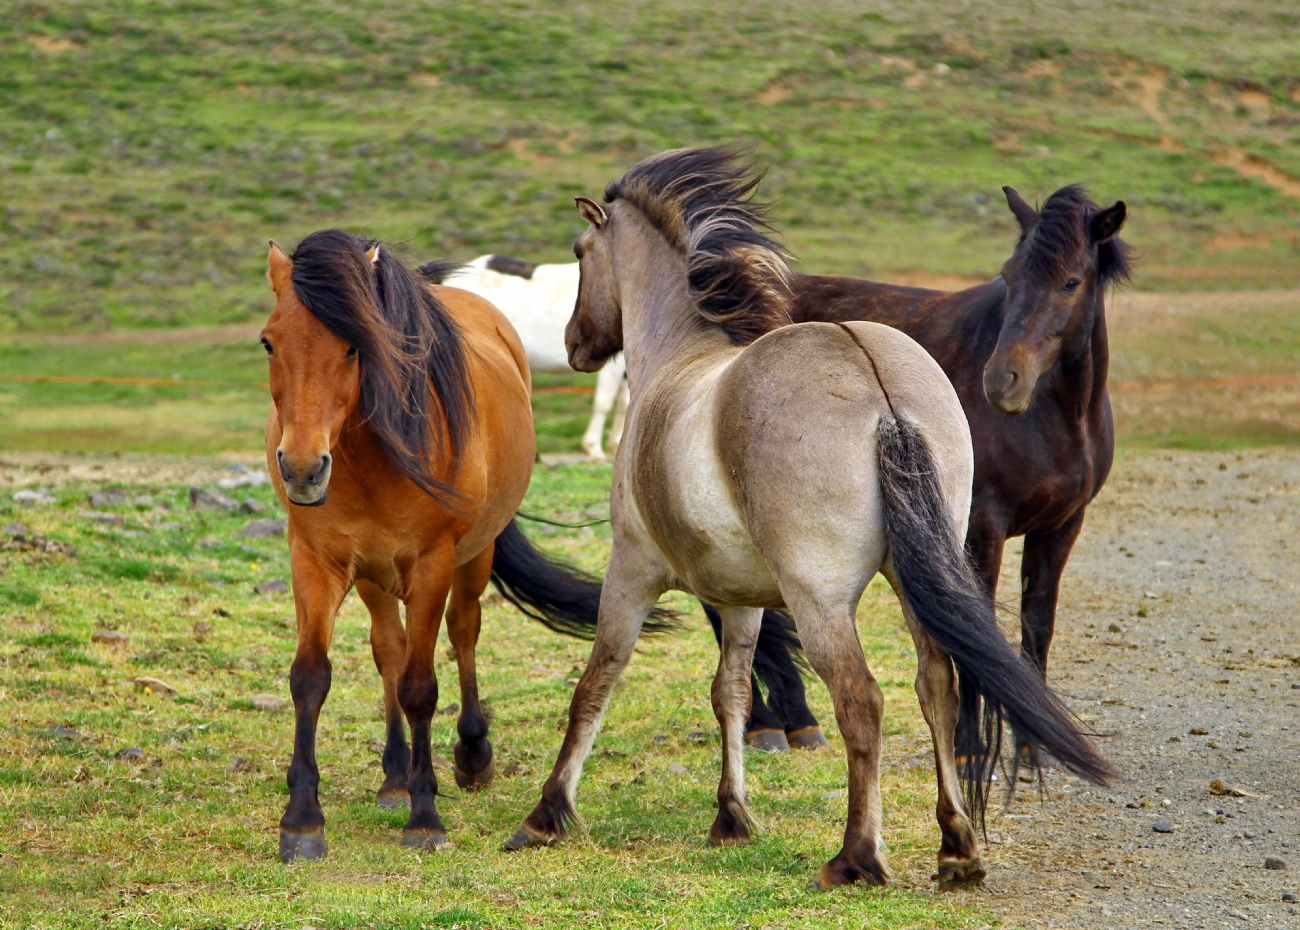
[1085,363]
[660,323]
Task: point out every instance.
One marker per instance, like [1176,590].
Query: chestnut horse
[783,470]
[1028,355]
[400,441]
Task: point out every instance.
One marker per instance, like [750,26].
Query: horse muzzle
[1007,389]
[305,484]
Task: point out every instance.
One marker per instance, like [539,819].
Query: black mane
[700,199]
[407,343]
[1062,231]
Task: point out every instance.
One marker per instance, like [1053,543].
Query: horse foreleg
[627,597]
[607,388]
[1041,568]
[388,646]
[473,753]
[317,596]
[417,691]
[985,539]
[731,695]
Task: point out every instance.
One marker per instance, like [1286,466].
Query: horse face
[315,382]
[595,331]
[1047,303]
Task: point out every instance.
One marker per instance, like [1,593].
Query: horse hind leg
[388,645]
[764,730]
[474,765]
[731,696]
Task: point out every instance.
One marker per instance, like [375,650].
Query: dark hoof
[733,826]
[295,846]
[394,798]
[526,839]
[955,874]
[809,738]
[843,871]
[768,740]
[477,780]
[423,838]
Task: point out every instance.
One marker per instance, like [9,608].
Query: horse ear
[591,211]
[1020,207]
[279,269]
[372,255]
[1106,224]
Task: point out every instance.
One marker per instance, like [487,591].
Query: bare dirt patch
[1191,556]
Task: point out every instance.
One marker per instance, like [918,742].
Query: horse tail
[439,270]
[564,598]
[951,605]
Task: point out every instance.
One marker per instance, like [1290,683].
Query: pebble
[38,498]
[676,768]
[153,686]
[109,519]
[201,629]
[1115,628]
[440,761]
[63,732]
[832,795]
[203,499]
[131,753]
[1290,897]
[267,702]
[698,736]
[236,766]
[274,586]
[109,637]
[659,740]
[108,497]
[452,708]
[252,505]
[572,682]
[1162,826]
[1273,864]
[17,531]
[259,529]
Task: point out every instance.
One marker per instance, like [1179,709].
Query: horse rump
[563,598]
[995,683]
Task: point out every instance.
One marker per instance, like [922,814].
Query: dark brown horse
[1027,353]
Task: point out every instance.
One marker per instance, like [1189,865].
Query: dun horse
[1027,353]
[783,471]
[400,441]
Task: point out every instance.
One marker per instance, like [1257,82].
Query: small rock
[1199,731]
[1162,826]
[659,740]
[375,745]
[171,526]
[274,586]
[63,732]
[18,531]
[440,761]
[1290,897]
[676,768]
[1295,686]
[110,519]
[1274,864]
[143,501]
[37,498]
[258,529]
[572,682]
[130,754]
[153,686]
[1115,628]
[209,542]
[236,766]
[221,612]
[201,629]
[267,702]
[832,795]
[244,479]
[237,468]
[450,709]
[108,497]
[1240,915]
[109,637]
[252,505]
[203,499]
[698,736]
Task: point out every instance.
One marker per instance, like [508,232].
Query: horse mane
[701,201]
[1061,232]
[407,343]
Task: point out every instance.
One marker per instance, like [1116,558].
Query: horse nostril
[322,466]
[285,471]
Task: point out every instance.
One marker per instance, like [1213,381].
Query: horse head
[1067,255]
[594,333]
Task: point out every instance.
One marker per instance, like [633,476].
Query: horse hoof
[811,738]
[477,780]
[523,839]
[423,839]
[308,846]
[768,740]
[955,874]
[394,799]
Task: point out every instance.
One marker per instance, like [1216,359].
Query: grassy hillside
[148,150]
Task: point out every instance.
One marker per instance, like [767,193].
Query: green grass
[177,840]
[148,150]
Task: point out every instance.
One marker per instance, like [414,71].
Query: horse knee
[418,694]
[309,680]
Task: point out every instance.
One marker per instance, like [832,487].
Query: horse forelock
[1062,230]
[701,201]
[406,341]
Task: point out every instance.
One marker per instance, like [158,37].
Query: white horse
[538,300]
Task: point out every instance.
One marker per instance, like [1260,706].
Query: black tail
[952,606]
[564,598]
[439,270]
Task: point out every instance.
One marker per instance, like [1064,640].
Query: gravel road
[1177,636]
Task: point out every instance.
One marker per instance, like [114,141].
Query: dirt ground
[1202,687]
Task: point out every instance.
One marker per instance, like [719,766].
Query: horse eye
[577,251]
[1072,285]
[352,351]
[266,344]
